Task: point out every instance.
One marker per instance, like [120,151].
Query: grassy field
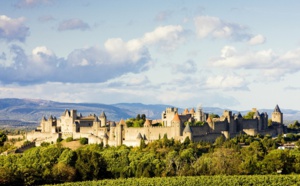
[218,180]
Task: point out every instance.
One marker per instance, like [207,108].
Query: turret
[177,125]
[187,132]
[112,130]
[277,116]
[119,132]
[102,118]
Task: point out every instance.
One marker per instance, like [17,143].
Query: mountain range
[28,112]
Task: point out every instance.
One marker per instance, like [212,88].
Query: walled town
[175,125]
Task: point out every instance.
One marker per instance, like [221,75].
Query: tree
[276,160]
[225,161]
[90,165]
[219,141]
[143,117]
[249,115]
[138,117]
[212,115]
[270,122]
[295,125]
[3,138]
[63,173]
[83,141]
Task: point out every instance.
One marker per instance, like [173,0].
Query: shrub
[69,139]
[83,141]
[45,144]
[26,142]
[59,139]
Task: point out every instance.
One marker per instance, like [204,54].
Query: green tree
[63,173]
[90,165]
[270,122]
[276,160]
[138,117]
[212,115]
[225,161]
[219,141]
[249,115]
[143,117]
[3,138]
[83,141]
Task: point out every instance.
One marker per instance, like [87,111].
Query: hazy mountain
[14,112]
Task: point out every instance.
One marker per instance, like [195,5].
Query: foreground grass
[219,180]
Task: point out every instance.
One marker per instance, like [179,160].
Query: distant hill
[21,112]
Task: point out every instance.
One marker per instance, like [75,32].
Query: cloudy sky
[237,55]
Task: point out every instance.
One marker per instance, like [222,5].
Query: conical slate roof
[187,128]
[103,115]
[277,109]
[256,114]
[96,119]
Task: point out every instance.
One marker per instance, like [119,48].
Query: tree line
[241,155]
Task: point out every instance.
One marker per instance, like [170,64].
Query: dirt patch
[72,144]
[9,137]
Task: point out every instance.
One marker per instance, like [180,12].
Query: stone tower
[187,132]
[168,115]
[277,116]
[102,118]
[177,125]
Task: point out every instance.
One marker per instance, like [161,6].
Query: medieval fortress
[173,124]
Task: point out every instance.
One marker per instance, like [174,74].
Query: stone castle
[173,124]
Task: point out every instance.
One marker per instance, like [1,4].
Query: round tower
[177,126]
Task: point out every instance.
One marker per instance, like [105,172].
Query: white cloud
[91,64]
[129,80]
[230,82]
[167,37]
[208,26]
[249,60]
[256,40]
[273,66]
[130,51]
[41,50]
[13,29]
[73,24]
[228,51]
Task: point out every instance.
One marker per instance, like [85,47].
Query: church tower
[277,116]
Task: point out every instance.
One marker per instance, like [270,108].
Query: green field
[200,180]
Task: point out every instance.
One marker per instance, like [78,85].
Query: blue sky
[237,55]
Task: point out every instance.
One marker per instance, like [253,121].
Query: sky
[237,55]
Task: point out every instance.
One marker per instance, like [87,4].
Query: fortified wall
[175,125]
